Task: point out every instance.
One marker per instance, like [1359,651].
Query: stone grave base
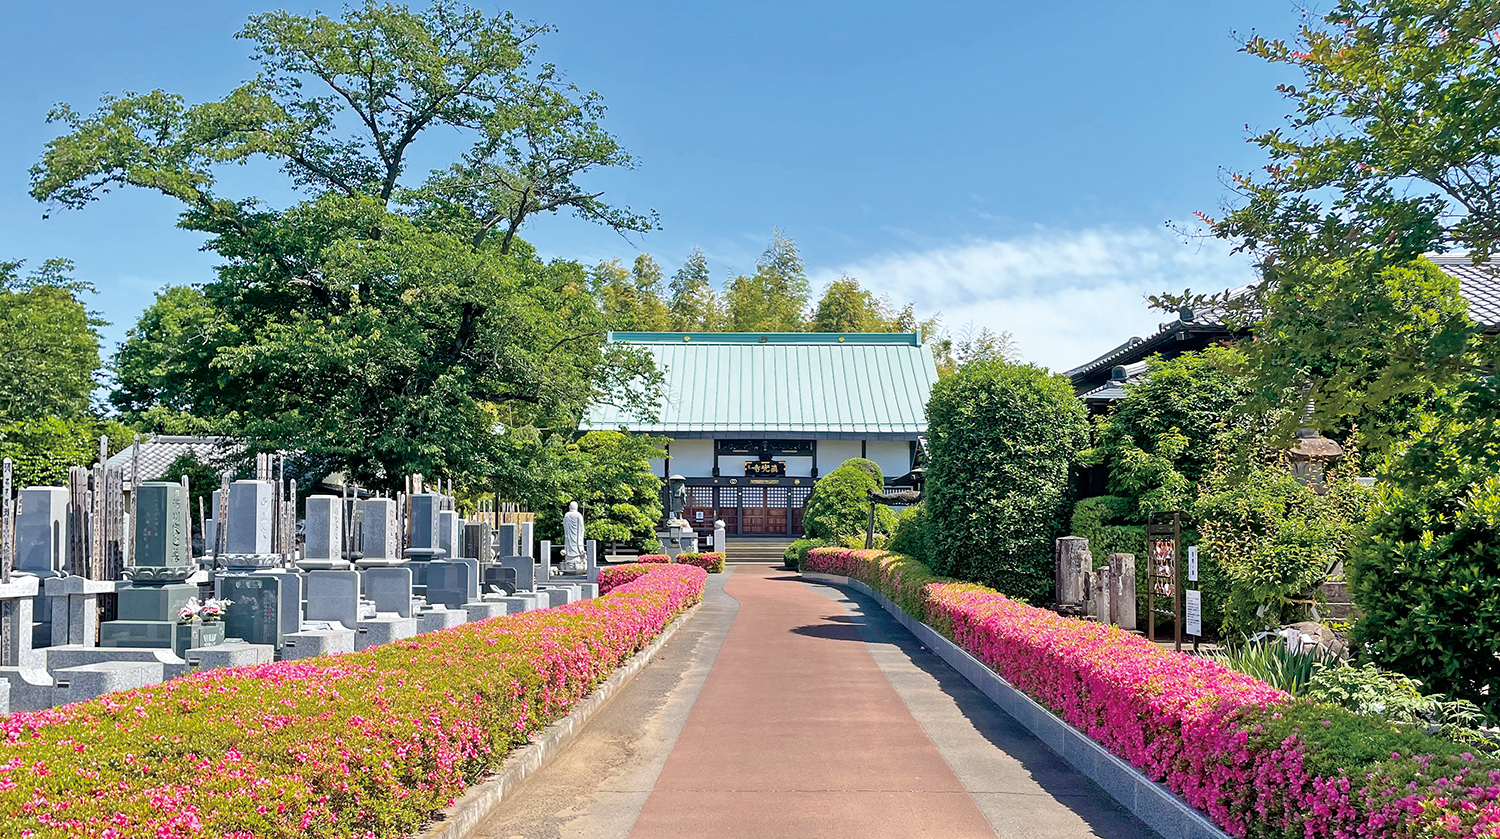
[88,681]
[485,611]
[311,643]
[383,630]
[28,689]
[436,619]
[556,595]
[231,653]
[517,604]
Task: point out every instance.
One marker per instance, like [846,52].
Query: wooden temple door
[700,510]
[729,508]
[799,508]
[755,517]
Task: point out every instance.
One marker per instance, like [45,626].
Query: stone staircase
[758,549]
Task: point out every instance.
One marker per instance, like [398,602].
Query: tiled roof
[159,452]
[864,385]
[1479,284]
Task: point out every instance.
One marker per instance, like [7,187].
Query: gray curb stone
[470,810]
[1160,808]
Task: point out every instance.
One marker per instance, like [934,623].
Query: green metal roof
[868,386]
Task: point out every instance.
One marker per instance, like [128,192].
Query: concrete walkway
[789,709]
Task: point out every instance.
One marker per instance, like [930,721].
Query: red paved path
[798,733]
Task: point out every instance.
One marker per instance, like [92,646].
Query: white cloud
[1066,295]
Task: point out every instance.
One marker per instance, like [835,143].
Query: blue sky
[1007,164]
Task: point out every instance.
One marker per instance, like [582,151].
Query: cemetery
[368,572]
[379,512]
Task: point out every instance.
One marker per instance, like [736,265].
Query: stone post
[544,554]
[719,537]
[381,542]
[324,548]
[1100,591]
[1073,562]
[591,552]
[1122,590]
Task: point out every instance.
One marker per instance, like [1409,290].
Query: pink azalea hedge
[711,562]
[1255,760]
[370,744]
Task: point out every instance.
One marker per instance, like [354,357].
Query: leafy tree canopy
[1389,155]
[389,323]
[51,343]
[775,297]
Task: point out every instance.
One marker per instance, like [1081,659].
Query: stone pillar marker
[42,531]
[507,538]
[247,526]
[591,568]
[478,542]
[149,606]
[1122,590]
[450,533]
[528,538]
[381,544]
[1073,564]
[1100,595]
[424,528]
[324,548]
[544,554]
[719,538]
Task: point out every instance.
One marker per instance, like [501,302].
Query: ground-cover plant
[369,744]
[1257,761]
[614,576]
[653,559]
[1275,663]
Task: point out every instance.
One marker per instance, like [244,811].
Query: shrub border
[476,804]
[1154,804]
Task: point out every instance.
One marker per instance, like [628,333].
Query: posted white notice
[1193,609]
[1193,564]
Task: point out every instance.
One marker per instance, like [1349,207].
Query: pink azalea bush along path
[1256,761]
[370,744]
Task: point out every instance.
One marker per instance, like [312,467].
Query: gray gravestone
[333,596]
[528,539]
[390,588]
[524,569]
[324,546]
[382,533]
[450,533]
[424,528]
[591,569]
[354,526]
[256,615]
[544,557]
[1122,590]
[247,526]
[479,542]
[42,532]
[448,583]
[507,540]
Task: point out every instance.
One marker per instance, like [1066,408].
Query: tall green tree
[632,300]
[1002,438]
[388,323]
[848,307]
[50,341]
[775,297]
[694,305]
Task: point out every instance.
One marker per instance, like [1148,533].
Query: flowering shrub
[615,576]
[713,563]
[654,559]
[1255,760]
[369,744]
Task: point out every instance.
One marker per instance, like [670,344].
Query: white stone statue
[572,523]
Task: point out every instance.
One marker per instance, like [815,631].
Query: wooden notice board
[1163,582]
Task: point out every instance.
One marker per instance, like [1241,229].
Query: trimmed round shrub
[795,555]
[840,506]
[1001,438]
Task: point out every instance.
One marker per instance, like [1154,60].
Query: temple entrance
[747,510]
